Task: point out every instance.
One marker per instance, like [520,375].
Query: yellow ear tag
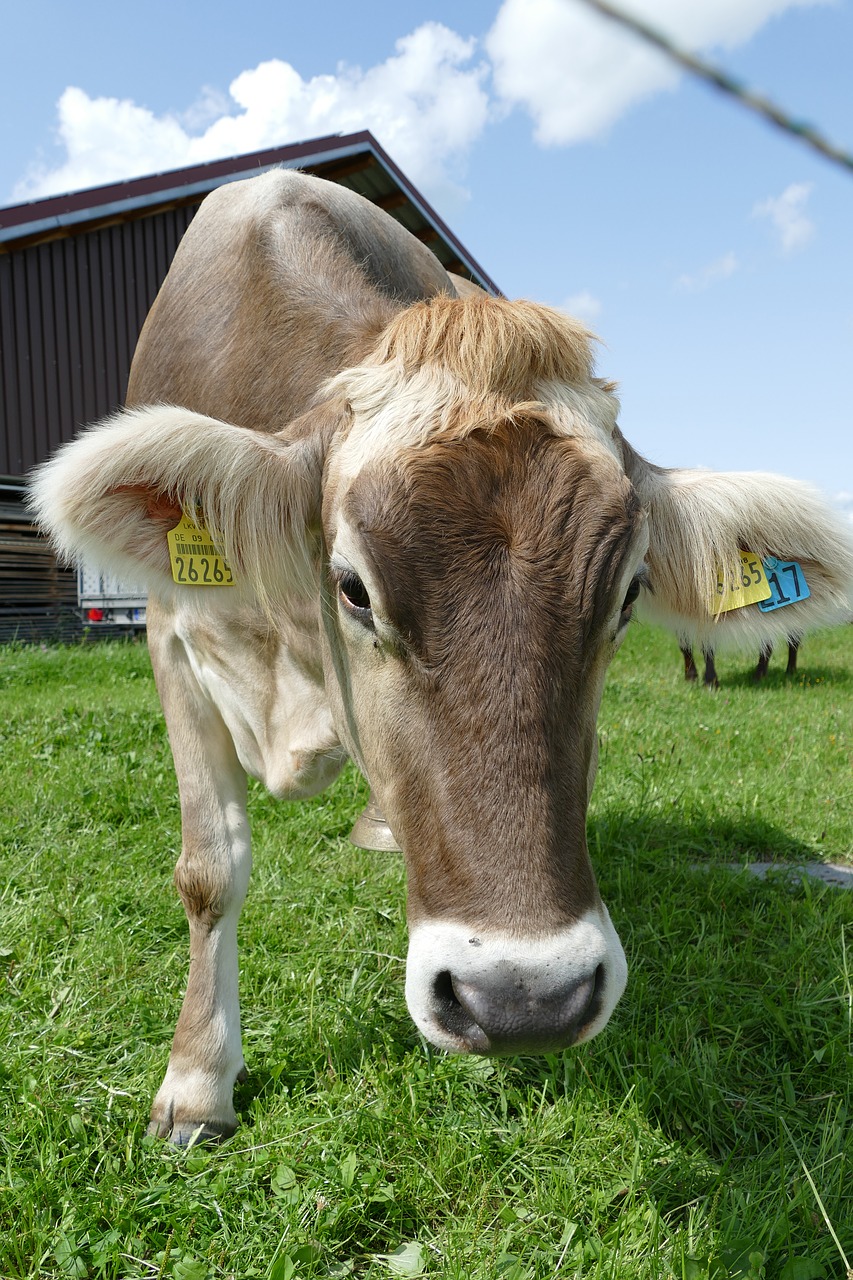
[195,560]
[748,587]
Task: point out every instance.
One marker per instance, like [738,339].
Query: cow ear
[112,495]
[700,521]
[466,288]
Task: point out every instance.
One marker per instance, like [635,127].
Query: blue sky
[712,254]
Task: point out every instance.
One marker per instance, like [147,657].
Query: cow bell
[371,831]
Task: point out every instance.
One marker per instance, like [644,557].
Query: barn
[78,274]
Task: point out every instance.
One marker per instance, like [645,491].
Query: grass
[706,1133]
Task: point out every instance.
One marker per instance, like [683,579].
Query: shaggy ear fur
[113,493]
[701,520]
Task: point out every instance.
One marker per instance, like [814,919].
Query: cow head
[482,546]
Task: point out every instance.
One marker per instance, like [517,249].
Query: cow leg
[710,678]
[793,650]
[763,661]
[690,672]
[212,874]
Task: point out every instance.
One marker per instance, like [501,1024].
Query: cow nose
[486,991]
[508,1017]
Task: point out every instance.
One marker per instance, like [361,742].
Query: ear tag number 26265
[195,560]
[749,586]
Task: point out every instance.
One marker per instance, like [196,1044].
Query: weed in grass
[688,1140]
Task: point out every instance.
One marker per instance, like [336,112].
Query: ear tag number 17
[194,558]
[787,584]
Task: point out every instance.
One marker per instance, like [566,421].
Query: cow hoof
[371,831]
[188,1133]
[184,1124]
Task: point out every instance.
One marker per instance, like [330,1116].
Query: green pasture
[706,1133]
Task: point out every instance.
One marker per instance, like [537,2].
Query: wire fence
[728,84]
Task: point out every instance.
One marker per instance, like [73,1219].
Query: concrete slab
[833,873]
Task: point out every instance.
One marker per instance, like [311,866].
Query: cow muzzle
[497,993]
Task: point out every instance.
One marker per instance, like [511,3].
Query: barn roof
[78,273]
[355,160]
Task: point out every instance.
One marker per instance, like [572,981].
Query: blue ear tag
[787,584]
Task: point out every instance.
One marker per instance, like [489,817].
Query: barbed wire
[756,102]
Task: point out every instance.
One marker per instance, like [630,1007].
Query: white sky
[711,253]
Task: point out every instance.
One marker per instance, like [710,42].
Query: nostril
[511,1016]
[456,1015]
[593,1009]
[443,989]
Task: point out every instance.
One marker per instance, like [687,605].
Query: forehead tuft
[492,345]
[451,366]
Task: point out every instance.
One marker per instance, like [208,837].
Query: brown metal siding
[78,274]
[73,298]
[70,313]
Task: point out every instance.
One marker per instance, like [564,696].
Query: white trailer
[105,601]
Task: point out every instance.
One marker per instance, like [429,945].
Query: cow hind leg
[764,656]
[709,679]
[793,650]
[690,672]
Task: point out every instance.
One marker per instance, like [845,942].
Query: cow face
[475,588]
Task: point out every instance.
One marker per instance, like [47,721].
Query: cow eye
[352,594]
[631,595]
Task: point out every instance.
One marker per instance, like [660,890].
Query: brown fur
[257,311]
[499,559]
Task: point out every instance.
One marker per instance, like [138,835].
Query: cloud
[584,306]
[576,72]
[573,71]
[787,214]
[426,104]
[715,271]
[210,104]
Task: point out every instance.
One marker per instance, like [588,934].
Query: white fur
[586,411]
[199,1083]
[396,410]
[254,491]
[273,706]
[699,520]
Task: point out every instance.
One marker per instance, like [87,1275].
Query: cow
[710,678]
[430,537]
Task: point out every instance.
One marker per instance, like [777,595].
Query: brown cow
[437,536]
[710,678]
